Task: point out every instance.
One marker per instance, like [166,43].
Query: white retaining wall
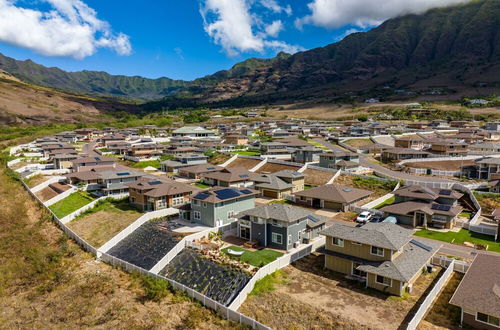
[270,268]
[89,206]
[45,184]
[61,196]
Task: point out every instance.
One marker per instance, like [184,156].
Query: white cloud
[233,25]
[364,13]
[275,7]
[274,28]
[69,29]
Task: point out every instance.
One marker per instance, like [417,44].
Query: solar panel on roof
[123,173]
[440,207]
[211,168]
[246,191]
[97,158]
[297,173]
[445,192]
[227,193]
[243,176]
[423,246]
[347,189]
[313,219]
[202,196]
[154,183]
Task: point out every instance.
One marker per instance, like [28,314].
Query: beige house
[279,184]
[382,255]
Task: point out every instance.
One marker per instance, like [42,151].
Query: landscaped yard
[460,237]
[385,203]
[309,297]
[201,185]
[153,163]
[246,153]
[70,204]
[257,258]
[103,222]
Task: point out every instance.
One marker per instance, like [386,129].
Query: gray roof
[411,260]
[270,181]
[281,212]
[335,193]
[385,235]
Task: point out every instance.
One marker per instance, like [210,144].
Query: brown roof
[271,167]
[428,208]
[234,174]
[405,151]
[420,192]
[335,193]
[201,168]
[479,290]
[158,188]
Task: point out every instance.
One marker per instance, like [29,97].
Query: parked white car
[363,217]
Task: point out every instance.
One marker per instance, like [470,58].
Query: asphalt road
[89,149]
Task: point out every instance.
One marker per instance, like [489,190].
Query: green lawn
[466,214]
[246,153]
[318,145]
[385,203]
[308,187]
[462,236]
[255,258]
[202,185]
[154,163]
[70,204]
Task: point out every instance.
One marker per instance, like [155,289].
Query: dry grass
[273,168]
[442,315]
[317,177]
[36,180]
[47,282]
[247,163]
[350,181]
[358,143]
[327,300]
[449,165]
[99,227]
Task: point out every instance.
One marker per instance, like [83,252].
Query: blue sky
[180,39]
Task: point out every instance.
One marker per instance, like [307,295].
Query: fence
[458,265]
[60,196]
[274,266]
[45,184]
[429,171]
[426,304]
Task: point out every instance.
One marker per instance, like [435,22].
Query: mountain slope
[457,45]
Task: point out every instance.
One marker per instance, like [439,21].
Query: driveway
[88,149]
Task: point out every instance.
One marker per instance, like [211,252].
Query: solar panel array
[423,246]
[202,196]
[154,183]
[243,176]
[246,191]
[440,207]
[313,219]
[123,173]
[445,192]
[227,193]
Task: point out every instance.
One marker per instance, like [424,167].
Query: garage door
[269,193]
[333,206]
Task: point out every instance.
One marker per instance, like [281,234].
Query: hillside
[22,103]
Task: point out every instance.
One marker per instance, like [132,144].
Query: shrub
[154,289]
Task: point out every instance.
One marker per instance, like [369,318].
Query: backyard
[36,180]
[488,202]
[358,143]
[460,237]
[70,204]
[377,186]
[257,258]
[152,163]
[326,299]
[387,202]
[246,153]
[101,223]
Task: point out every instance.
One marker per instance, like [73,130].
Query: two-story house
[419,206]
[382,255]
[230,177]
[410,142]
[279,184]
[219,206]
[306,155]
[339,160]
[483,169]
[449,148]
[279,226]
[148,194]
[193,132]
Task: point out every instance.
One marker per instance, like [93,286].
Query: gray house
[279,226]
[219,206]
[339,160]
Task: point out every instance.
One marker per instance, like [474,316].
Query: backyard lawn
[246,153]
[101,223]
[318,145]
[153,163]
[460,237]
[70,204]
[255,258]
[385,203]
[201,185]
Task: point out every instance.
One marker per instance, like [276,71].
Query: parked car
[376,218]
[363,217]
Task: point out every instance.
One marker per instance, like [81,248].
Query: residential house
[485,148]
[230,177]
[279,184]
[219,206]
[419,206]
[197,171]
[340,160]
[449,148]
[77,164]
[63,161]
[331,196]
[182,160]
[492,126]
[398,154]
[306,155]
[237,139]
[279,226]
[409,142]
[275,150]
[382,255]
[483,169]
[193,132]
[149,194]
[478,294]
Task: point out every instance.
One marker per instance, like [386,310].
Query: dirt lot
[36,180]
[349,181]
[449,165]
[247,163]
[358,143]
[442,315]
[273,168]
[46,193]
[325,297]
[316,177]
[99,227]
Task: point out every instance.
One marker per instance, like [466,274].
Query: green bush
[154,289]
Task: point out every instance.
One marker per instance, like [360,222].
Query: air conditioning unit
[409,288]
[296,244]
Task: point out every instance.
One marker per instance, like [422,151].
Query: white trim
[376,254]
[490,324]
[340,240]
[196,213]
[274,236]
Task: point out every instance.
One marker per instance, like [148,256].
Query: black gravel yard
[147,245]
[219,282]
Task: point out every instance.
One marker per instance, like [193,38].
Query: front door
[245,233]
[420,218]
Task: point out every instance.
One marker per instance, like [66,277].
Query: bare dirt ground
[330,297]
[273,168]
[247,163]
[99,227]
[36,180]
[48,282]
[442,315]
[449,165]
[358,143]
[316,177]
[46,193]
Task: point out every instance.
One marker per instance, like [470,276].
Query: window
[383,280]
[230,214]
[277,238]
[178,200]
[289,239]
[377,251]
[205,205]
[197,215]
[337,241]
[132,199]
[485,318]
[196,202]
